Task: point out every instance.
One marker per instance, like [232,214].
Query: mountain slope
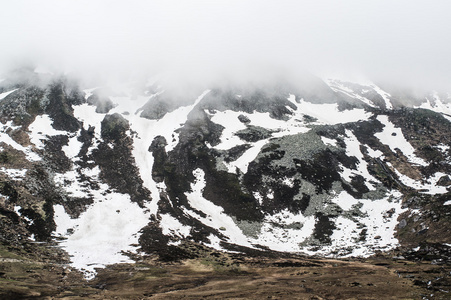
[338,169]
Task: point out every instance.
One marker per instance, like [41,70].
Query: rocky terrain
[330,190]
[218,275]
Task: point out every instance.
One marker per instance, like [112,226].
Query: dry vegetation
[215,275]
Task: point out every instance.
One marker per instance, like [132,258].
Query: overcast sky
[401,41]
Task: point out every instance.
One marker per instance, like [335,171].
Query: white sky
[398,40]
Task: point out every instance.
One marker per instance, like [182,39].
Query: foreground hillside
[217,275]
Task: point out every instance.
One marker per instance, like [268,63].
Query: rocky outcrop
[117,164]
[103,104]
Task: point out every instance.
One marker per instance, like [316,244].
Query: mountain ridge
[345,171]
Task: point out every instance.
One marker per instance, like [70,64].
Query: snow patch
[172,226]
[394,138]
[328,141]
[69,182]
[345,201]
[244,160]
[258,197]
[15,174]
[5,94]
[41,129]
[438,105]
[329,113]
[288,182]
[375,153]
[102,234]
[73,147]
[215,242]
[93,173]
[89,92]
[87,114]
[338,87]
[228,119]
[17,209]
[426,186]
[291,230]
[386,96]
[443,148]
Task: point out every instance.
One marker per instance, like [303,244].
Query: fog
[401,42]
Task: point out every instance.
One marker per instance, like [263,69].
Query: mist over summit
[402,43]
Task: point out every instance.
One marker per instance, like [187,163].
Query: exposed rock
[253,134]
[244,119]
[114,127]
[444,181]
[103,104]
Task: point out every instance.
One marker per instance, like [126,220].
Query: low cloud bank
[399,42]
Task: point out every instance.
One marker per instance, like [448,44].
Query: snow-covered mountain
[333,168]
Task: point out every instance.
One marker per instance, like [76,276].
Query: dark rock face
[56,99]
[54,156]
[444,181]
[244,119]
[114,127]
[425,130]
[222,188]
[160,156]
[249,101]
[59,107]
[35,196]
[23,105]
[157,108]
[253,134]
[103,104]
[165,102]
[116,162]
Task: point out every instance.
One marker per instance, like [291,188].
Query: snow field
[100,234]
[146,131]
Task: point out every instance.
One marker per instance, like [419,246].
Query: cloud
[398,41]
